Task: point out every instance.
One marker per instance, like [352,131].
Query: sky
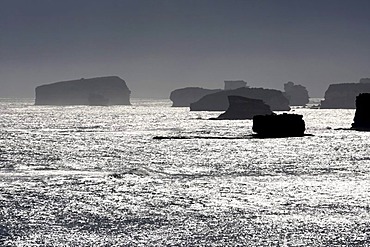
[158,46]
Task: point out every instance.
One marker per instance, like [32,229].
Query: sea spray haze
[94,176]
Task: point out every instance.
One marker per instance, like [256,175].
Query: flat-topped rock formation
[296,94]
[219,101]
[110,90]
[183,97]
[362,115]
[244,108]
[343,95]
[283,125]
[230,85]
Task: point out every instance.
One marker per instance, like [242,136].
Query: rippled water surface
[94,176]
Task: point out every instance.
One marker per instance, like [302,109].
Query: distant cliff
[296,94]
[110,90]
[230,85]
[219,101]
[184,96]
[343,95]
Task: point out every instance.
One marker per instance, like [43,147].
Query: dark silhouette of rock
[219,102]
[95,91]
[244,108]
[343,95]
[230,85]
[296,94]
[283,125]
[185,96]
[362,115]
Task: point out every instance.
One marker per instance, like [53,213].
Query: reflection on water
[82,175]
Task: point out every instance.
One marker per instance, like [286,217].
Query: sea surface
[94,176]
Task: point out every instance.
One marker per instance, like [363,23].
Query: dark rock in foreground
[362,115]
[283,125]
[343,95]
[183,97]
[219,101]
[110,90]
[244,108]
[296,94]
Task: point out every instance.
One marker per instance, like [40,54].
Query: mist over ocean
[94,176]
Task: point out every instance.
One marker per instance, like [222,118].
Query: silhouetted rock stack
[343,95]
[283,125]
[184,96]
[244,108]
[296,94]
[219,101]
[110,90]
[362,115]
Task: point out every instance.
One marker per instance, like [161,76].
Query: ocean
[96,176]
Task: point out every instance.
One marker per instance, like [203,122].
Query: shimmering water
[94,176]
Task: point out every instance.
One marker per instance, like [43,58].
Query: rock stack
[362,115]
[283,125]
[219,101]
[343,95]
[244,108]
[296,94]
[110,90]
[183,97]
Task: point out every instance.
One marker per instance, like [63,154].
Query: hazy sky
[157,46]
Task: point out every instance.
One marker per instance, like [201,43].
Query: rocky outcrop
[343,95]
[283,125]
[296,94]
[362,115]
[244,108]
[110,90]
[219,101]
[230,85]
[183,97]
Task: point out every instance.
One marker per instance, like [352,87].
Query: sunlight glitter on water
[95,176]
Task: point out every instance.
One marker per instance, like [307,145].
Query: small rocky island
[219,101]
[183,97]
[362,115]
[343,95]
[110,90]
[244,108]
[296,94]
[283,125]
